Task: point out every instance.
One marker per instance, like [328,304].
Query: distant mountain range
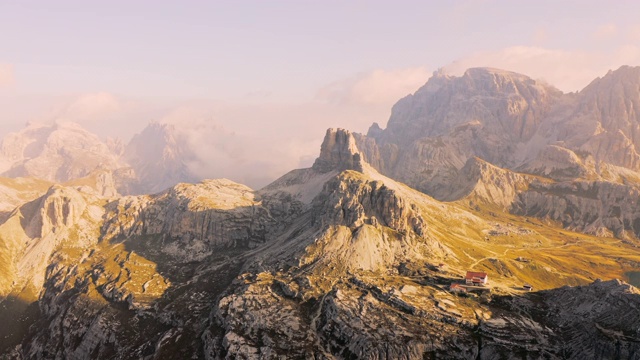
[353,258]
[502,138]
[153,160]
[512,122]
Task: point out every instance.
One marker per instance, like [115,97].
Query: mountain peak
[339,152]
[56,152]
[624,77]
[624,71]
[159,155]
[479,71]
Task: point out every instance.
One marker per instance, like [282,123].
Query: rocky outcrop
[352,201]
[191,221]
[481,182]
[512,122]
[584,322]
[338,152]
[36,230]
[599,208]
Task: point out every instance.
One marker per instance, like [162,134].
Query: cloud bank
[375,87]
[6,75]
[258,140]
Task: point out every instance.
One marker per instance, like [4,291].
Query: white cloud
[567,70]
[258,140]
[634,33]
[6,75]
[540,36]
[375,87]
[628,55]
[90,108]
[605,31]
[256,143]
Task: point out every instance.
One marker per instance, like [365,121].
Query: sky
[274,75]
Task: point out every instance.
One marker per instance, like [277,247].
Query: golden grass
[556,257]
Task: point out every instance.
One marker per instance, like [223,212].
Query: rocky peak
[482,182]
[157,138]
[496,80]
[339,152]
[57,152]
[613,101]
[605,121]
[503,102]
[60,207]
[159,158]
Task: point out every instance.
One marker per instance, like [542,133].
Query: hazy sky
[282,69]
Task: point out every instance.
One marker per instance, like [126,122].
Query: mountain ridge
[65,152]
[346,258]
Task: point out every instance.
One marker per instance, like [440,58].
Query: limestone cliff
[343,260]
[510,121]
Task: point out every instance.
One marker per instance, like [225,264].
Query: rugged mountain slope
[516,126]
[334,261]
[485,113]
[154,159]
[342,260]
[57,153]
[480,182]
[510,121]
[158,157]
[17,191]
[605,123]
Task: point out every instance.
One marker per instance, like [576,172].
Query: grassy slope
[488,239]
[556,257]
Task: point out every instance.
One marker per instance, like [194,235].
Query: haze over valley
[242,206]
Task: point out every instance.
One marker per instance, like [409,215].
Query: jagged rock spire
[339,152]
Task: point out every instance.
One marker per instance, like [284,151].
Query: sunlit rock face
[342,260]
[338,152]
[485,113]
[485,136]
[511,121]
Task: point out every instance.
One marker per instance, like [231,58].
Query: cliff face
[192,220]
[340,260]
[480,137]
[605,123]
[510,121]
[599,208]
[486,113]
[34,231]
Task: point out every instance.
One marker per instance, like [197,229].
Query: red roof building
[476,278]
